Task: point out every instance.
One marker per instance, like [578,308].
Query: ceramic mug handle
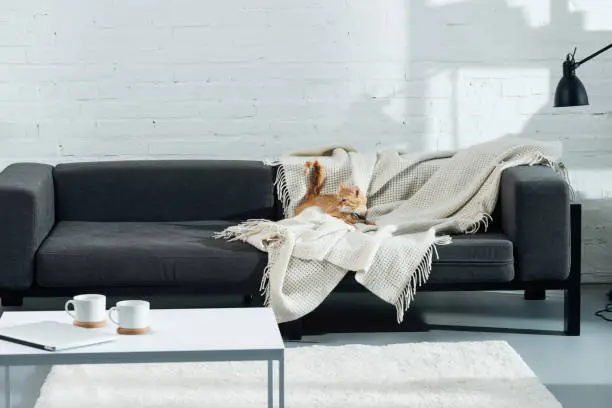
[70,312]
[110,315]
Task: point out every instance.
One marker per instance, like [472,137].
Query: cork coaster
[144,330]
[90,325]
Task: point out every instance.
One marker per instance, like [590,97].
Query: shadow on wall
[476,70]
[494,41]
[379,125]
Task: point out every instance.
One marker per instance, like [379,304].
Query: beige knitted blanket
[416,200]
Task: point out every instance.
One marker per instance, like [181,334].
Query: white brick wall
[105,80]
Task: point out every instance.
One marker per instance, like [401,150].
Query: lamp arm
[606,48]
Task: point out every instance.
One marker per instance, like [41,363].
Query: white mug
[131,314]
[87,308]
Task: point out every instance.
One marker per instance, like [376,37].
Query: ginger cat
[348,204]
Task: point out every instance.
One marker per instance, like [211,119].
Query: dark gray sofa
[145,227]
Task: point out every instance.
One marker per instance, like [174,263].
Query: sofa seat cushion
[106,254]
[476,258]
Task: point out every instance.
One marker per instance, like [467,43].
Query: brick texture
[107,80]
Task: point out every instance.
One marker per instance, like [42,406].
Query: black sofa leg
[253,300]
[11,299]
[535,294]
[291,331]
[572,310]
[572,291]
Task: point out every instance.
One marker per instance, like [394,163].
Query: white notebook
[53,336]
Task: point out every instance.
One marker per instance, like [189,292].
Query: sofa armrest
[535,215]
[27,214]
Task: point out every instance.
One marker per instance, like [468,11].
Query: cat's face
[352,200]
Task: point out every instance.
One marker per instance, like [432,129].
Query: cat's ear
[341,186]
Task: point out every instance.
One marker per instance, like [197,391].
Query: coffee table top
[176,335]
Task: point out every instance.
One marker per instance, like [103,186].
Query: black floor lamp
[570,90]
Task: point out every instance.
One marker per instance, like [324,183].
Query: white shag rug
[420,375]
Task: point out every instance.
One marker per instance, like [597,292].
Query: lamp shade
[570,92]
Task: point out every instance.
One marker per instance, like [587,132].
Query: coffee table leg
[281,382]
[7,386]
[270,384]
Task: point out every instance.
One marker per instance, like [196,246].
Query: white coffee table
[177,335]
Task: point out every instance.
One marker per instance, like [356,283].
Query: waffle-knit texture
[417,200]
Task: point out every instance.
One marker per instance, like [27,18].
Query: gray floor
[578,370]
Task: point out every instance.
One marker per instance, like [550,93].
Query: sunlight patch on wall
[596,15]
[537,12]
[491,103]
[439,3]
[439,108]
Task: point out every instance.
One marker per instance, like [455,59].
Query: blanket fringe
[264,287]
[247,228]
[559,168]
[272,234]
[282,190]
[420,277]
[271,162]
[484,220]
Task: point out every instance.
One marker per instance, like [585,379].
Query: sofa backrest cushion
[164,190]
